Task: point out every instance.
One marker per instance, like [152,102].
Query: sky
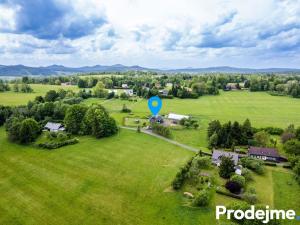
[153,33]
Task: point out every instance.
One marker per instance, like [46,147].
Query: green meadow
[19,98]
[125,179]
[261,108]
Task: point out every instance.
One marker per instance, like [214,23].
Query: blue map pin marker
[154,108]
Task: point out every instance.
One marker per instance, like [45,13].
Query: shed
[176,117]
[54,127]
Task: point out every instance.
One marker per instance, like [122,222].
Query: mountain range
[21,70]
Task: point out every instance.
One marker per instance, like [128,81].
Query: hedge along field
[260,107]
[19,98]
[116,180]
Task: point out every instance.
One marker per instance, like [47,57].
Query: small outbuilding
[175,118]
[54,127]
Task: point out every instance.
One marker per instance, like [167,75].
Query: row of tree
[229,134]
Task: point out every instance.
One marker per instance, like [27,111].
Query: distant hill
[21,70]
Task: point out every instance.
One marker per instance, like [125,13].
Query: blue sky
[156,33]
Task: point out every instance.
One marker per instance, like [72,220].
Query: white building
[129,92]
[124,86]
[176,117]
[54,127]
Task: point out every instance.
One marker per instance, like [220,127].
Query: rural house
[218,154]
[269,154]
[156,119]
[124,85]
[54,127]
[175,118]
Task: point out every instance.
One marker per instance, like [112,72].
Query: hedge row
[228,194]
[55,145]
[270,164]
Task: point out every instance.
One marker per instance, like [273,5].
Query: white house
[129,92]
[176,117]
[163,92]
[54,127]
[124,85]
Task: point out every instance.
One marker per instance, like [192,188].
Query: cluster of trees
[288,85]
[22,130]
[236,183]
[188,123]
[4,86]
[93,120]
[229,134]
[291,144]
[23,123]
[189,173]
[22,87]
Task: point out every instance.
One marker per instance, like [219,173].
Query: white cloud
[169,33]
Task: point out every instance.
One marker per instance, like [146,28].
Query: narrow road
[149,132]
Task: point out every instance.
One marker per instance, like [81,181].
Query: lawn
[260,107]
[18,98]
[117,180]
[285,187]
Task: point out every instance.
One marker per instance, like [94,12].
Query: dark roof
[156,119]
[272,152]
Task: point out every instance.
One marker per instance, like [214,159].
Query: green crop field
[18,98]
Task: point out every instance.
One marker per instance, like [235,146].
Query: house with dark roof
[267,154]
[218,154]
[156,119]
[54,127]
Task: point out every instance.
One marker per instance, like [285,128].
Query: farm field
[18,98]
[261,108]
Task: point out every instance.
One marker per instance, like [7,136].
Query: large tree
[74,117]
[98,123]
[226,167]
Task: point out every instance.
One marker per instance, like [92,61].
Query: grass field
[118,180]
[18,98]
[260,107]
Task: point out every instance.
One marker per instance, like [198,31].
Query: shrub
[54,145]
[181,175]
[253,164]
[238,179]
[125,109]
[233,187]
[250,196]
[219,191]
[202,162]
[62,136]
[202,198]
[247,174]
[161,130]
[270,164]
